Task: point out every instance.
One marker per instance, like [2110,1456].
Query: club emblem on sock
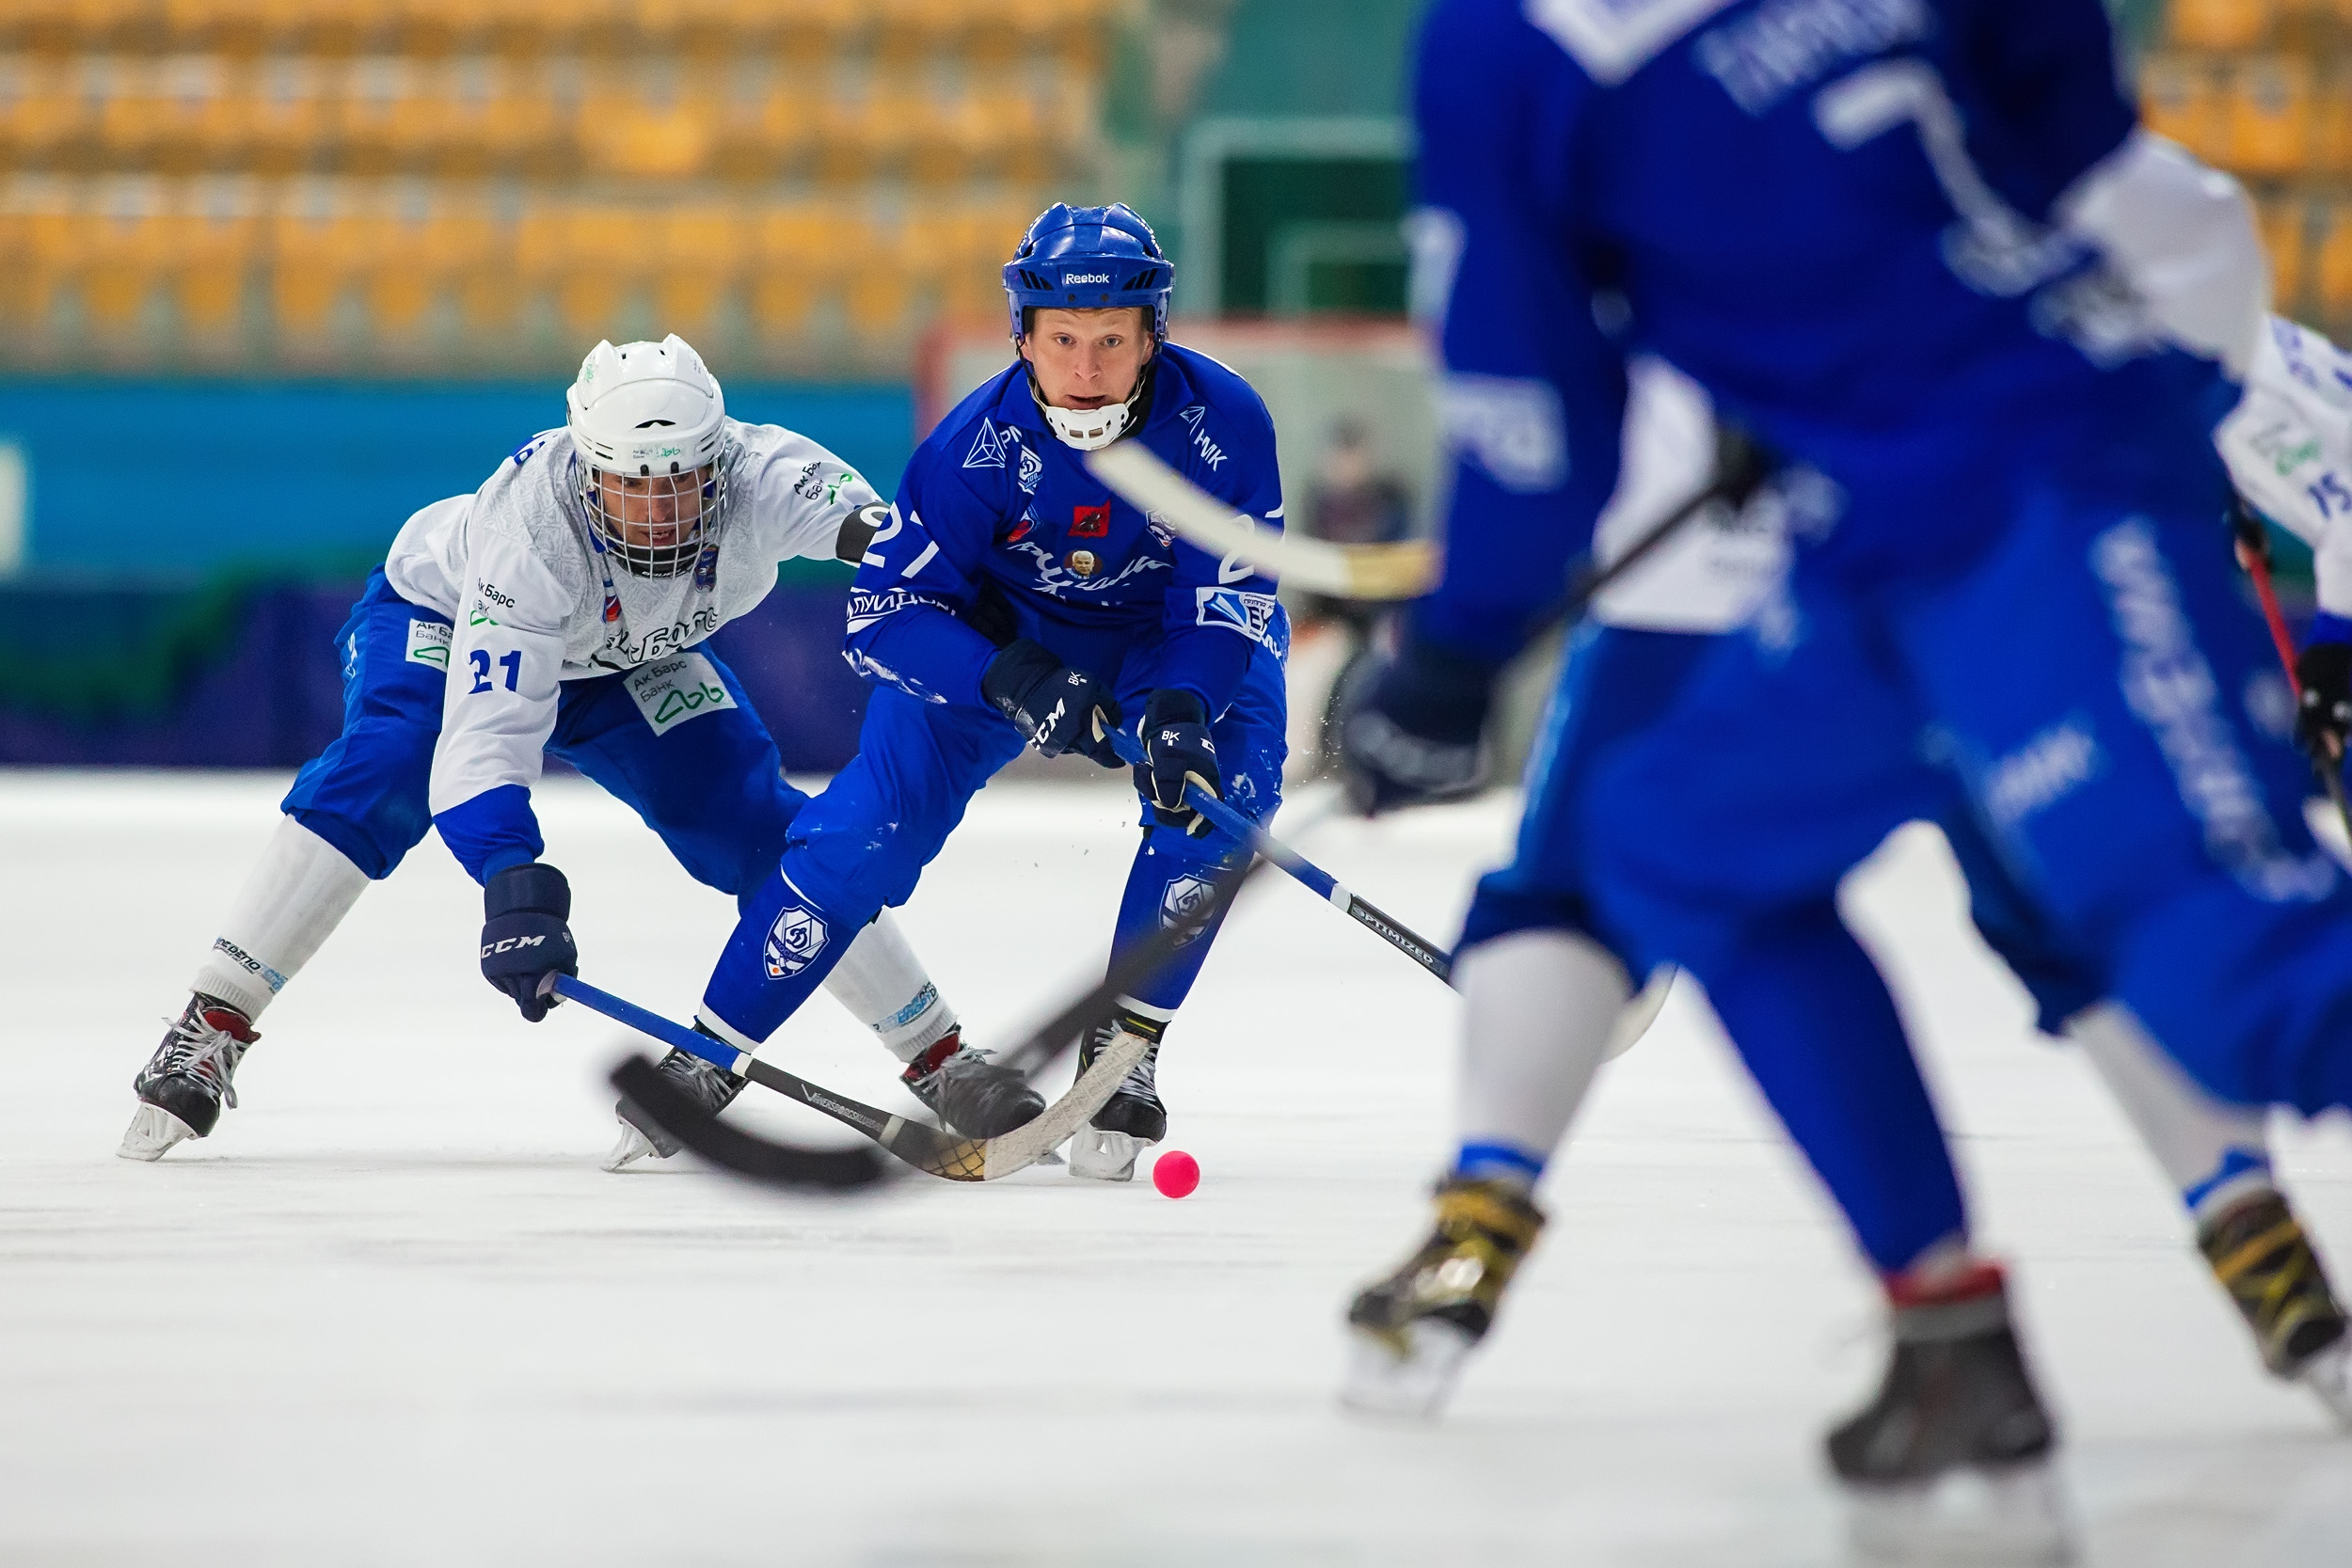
[794,941]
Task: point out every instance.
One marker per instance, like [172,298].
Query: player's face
[661,510]
[1088,358]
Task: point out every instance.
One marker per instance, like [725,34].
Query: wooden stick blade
[1399,571]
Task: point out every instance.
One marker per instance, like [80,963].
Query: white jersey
[2289,448]
[533,602]
[2288,445]
[1714,571]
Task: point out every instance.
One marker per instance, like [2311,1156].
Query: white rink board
[392,1313]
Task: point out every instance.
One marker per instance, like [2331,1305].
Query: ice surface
[392,1312]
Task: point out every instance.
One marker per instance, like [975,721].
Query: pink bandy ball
[1175,1173]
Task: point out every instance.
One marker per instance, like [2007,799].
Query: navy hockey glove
[1177,750]
[2324,670]
[525,937]
[1058,708]
[1410,733]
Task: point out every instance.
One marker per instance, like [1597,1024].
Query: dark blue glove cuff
[1174,705]
[1016,669]
[1436,693]
[532,889]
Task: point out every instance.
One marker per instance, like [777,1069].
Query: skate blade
[2013,1517]
[2328,1375]
[1100,1156]
[153,1130]
[1415,1385]
[634,1145]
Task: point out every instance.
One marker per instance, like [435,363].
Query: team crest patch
[794,941]
[428,643]
[1183,898]
[1032,470]
[670,692]
[1091,522]
[988,448]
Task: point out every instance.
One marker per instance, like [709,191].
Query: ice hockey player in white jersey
[563,609]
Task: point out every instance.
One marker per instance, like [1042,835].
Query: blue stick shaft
[717,1053]
[1428,954]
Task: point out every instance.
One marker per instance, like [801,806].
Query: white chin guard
[1089,428]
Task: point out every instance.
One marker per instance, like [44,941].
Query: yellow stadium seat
[584,257]
[2178,100]
[2270,108]
[2220,24]
[39,110]
[287,113]
[2331,271]
[128,253]
[2286,233]
[374,116]
[793,252]
[215,235]
[760,136]
[880,291]
[50,244]
[318,248]
[701,250]
[634,136]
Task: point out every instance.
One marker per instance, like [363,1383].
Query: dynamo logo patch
[794,941]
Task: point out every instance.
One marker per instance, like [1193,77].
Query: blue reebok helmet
[1089,259]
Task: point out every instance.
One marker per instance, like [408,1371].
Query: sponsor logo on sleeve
[428,642]
[794,941]
[670,692]
[808,486]
[1250,614]
[1510,426]
[1091,522]
[866,608]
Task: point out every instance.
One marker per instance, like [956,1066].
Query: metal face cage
[670,514]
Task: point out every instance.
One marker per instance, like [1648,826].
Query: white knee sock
[2213,1153]
[1539,1008]
[292,900]
[881,980]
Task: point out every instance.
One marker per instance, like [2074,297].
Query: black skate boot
[184,1085]
[1410,1332]
[1950,1463]
[973,1096]
[2261,1257]
[713,1088]
[1106,1149]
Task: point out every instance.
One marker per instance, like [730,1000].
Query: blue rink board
[143,477]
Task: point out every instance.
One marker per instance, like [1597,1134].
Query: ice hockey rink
[393,1312]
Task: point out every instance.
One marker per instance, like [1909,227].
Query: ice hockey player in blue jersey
[1921,249]
[563,609]
[1012,600]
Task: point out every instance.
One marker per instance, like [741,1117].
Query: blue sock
[1496,1162]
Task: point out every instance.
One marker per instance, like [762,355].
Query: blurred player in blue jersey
[1013,601]
[1921,249]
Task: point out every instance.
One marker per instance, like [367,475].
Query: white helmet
[647,420]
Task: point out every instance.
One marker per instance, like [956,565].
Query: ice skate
[1411,1332]
[1133,1118]
[192,1075]
[2260,1254]
[1950,1463]
[971,1095]
[711,1088]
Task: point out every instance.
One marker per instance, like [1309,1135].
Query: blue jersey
[998,521]
[1835,214]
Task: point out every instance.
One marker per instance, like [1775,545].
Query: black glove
[1177,750]
[1058,708]
[524,935]
[1410,731]
[2325,714]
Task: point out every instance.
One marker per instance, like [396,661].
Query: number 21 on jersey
[511,662]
